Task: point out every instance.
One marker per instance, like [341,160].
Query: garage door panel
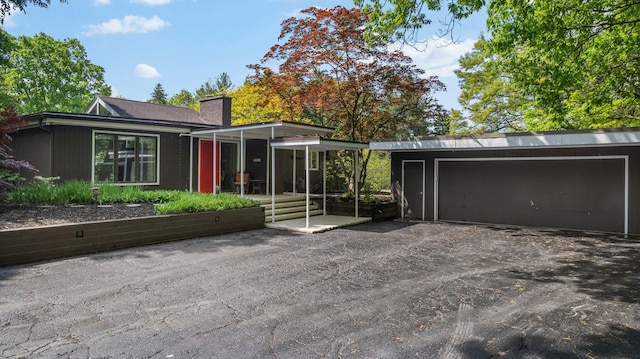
[578,194]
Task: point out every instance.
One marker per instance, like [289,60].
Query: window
[134,161]
[314,160]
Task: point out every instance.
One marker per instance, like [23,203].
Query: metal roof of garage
[552,139]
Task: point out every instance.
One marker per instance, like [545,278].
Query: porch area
[290,214]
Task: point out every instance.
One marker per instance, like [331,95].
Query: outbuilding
[581,180]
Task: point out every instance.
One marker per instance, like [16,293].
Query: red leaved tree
[9,166]
[328,74]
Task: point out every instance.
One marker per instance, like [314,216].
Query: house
[584,180]
[166,147]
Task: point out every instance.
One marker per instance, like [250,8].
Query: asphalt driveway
[378,290]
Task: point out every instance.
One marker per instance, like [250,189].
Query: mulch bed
[24,216]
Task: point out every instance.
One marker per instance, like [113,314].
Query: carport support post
[357,179]
[306,186]
[324,183]
[273,181]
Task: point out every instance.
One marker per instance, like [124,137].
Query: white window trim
[93,156]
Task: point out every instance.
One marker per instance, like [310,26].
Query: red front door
[206,166]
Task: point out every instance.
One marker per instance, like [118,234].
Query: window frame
[137,135]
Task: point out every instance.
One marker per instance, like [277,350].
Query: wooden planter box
[18,246]
[380,211]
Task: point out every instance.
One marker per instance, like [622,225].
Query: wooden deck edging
[19,246]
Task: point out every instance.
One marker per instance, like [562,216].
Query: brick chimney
[216,110]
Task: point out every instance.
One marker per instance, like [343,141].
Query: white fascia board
[115,125]
[517,141]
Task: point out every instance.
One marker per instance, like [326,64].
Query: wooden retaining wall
[18,246]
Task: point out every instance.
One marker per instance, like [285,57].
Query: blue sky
[183,43]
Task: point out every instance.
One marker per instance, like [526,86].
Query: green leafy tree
[8,6]
[488,93]
[576,60]
[184,98]
[158,95]
[393,20]
[44,74]
[254,104]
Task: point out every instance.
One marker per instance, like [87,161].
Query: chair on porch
[237,182]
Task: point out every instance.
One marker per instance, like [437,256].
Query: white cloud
[101,2]
[129,24]
[439,57]
[146,71]
[152,2]
[8,21]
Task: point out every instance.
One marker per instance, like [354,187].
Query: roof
[120,107]
[317,143]
[265,130]
[522,140]
[110,122]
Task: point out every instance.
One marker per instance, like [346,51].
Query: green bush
[44,191]
[202,202]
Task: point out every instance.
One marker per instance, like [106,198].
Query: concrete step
[295,215]
[300,208]
[267,207]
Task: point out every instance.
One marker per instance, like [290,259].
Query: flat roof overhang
[529,140]
[316,143]
[264,131]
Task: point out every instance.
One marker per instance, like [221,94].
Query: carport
[316,143]
[583,180]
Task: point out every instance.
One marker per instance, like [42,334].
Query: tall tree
[158,95]
[49,75]
[221,85]
[254,104]
[184,98]
[8,6]
[328,74]
[488,93]
[393,20]
[576,59]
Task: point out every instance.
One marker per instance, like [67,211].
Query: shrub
[202,202]
[46,191]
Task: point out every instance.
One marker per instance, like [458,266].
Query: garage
[585,193]
[577,180]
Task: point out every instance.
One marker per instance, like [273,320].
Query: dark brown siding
[72,148]
[174,162]
[34,146]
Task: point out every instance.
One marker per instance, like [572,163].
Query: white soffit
[549,140]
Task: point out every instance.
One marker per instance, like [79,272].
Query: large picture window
[125,158]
